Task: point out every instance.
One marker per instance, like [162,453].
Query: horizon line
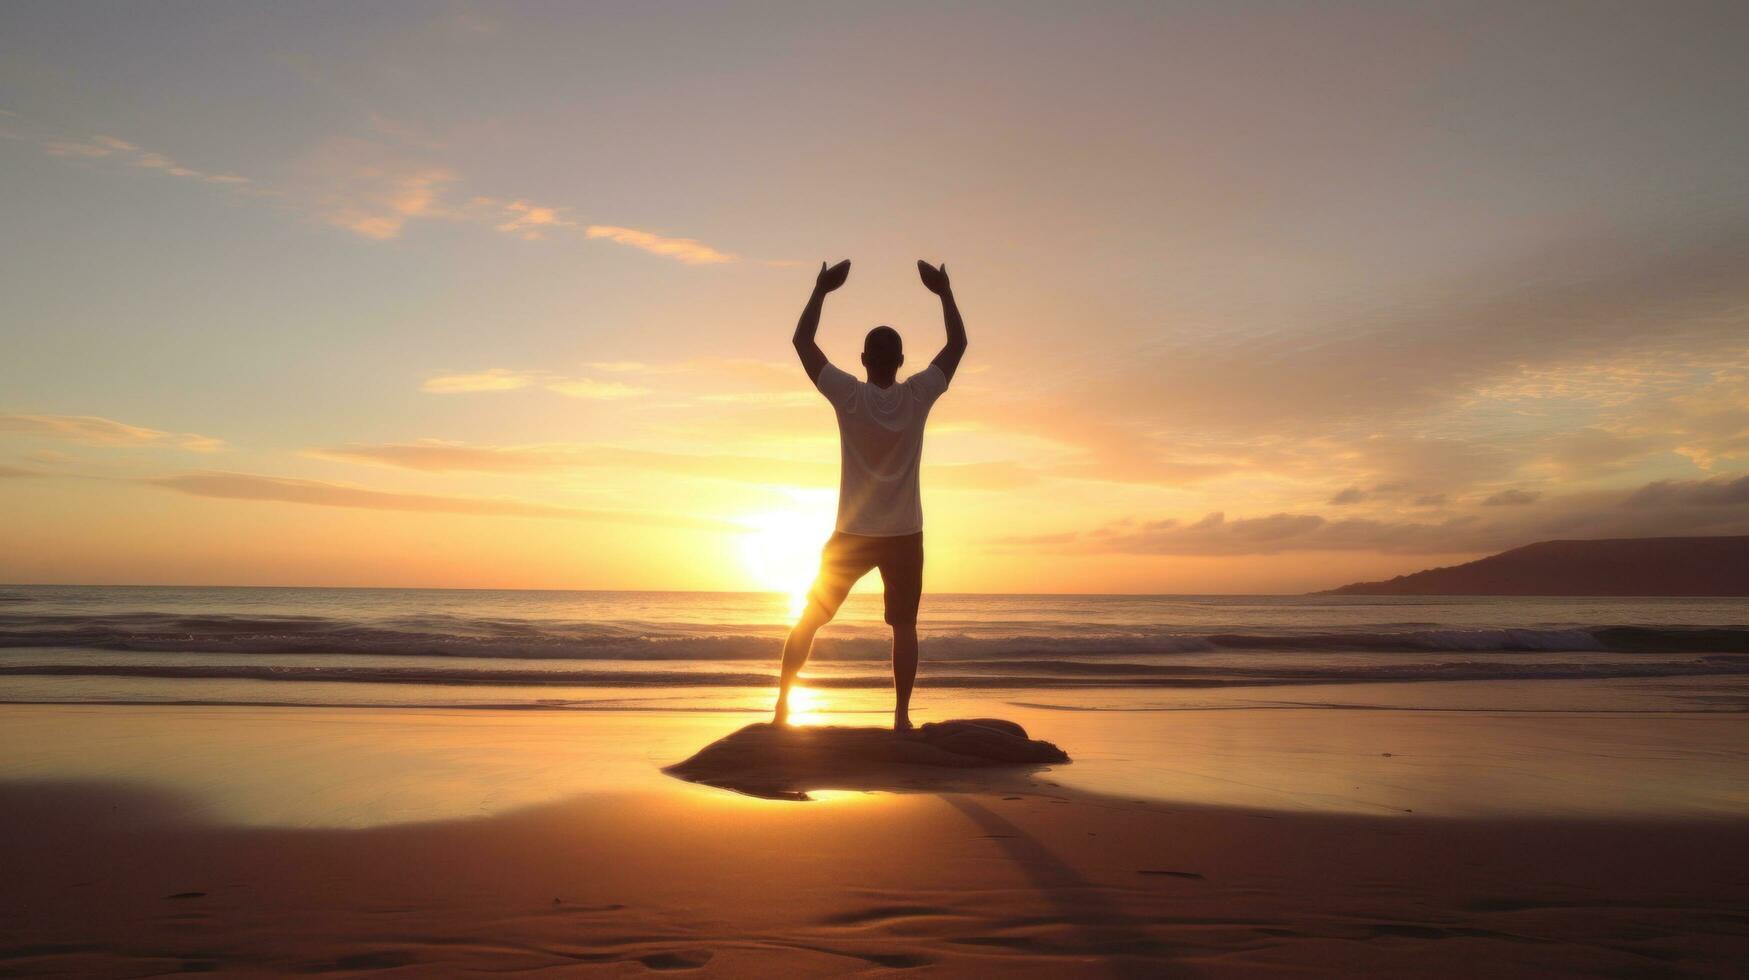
[459,588]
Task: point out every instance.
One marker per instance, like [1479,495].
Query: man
[880,511]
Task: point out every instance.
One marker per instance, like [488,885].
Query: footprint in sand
[690,959]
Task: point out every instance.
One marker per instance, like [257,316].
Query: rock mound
[783,762]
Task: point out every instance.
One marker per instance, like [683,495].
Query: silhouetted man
[880,511]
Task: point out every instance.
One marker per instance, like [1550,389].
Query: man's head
[883,351]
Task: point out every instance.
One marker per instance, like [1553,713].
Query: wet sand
[533,863]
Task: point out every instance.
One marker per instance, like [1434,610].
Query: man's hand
[830,279]
[813,358]
[934,279]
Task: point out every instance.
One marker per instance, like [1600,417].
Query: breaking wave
[962,674]
[528,639]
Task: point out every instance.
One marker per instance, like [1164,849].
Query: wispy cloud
[1511,498]
[1716,506]
[375,190]
[491,379]
[596,390]
[1716,492]
[532,222]
[506,379]
[16,473]
[747,371]
[687,250]
[372,190]
[1586,364]
[121,151]
[441,457]
[247,486]
[436,456]
[91,430]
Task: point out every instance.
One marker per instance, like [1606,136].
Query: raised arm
[935,279]
[813,358]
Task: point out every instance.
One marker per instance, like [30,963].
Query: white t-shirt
[880,440]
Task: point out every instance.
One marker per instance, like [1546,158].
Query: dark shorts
[848,557]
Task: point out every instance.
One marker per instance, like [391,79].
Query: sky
[1261,297]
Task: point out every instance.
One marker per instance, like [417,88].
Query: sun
[781,549]
[806,706]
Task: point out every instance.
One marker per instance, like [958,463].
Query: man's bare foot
[901,723]
[781,715]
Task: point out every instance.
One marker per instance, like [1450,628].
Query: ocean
[690,651]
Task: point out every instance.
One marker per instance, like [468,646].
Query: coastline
[297,839]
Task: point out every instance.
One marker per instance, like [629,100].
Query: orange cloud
[687,250]
[492,379]
[92,430]
[380,200]
[442,457]
[530,221]
[597,390]
[248,486]
[506,379]
[1666,507]
[371,190]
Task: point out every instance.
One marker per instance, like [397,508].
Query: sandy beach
[267,841]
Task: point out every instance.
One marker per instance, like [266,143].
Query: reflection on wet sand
[120,879]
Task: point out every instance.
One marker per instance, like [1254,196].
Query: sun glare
[781,549]
[806,706]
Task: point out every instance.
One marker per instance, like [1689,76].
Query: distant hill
[1715,566]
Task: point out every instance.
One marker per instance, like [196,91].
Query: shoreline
[1461,760]
[256,841]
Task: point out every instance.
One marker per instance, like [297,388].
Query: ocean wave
[985,674]
[570,640]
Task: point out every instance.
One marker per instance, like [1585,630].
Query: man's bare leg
[904,674]
[795,656]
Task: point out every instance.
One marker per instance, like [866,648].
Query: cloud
[443,457]
[122,151]
[597,390]
[377,202]
[1583,303]
[1591,359]
[1716,492]
[1352,495]
[375,189]
[76,148]
[746,379]
[491,379]
[1716,506]
[747,372]
[687,250]
[16,473]
[506,379]
[448,457]
[1512,498]
[246,486]
[91,430]
[199,444]
[531,222]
